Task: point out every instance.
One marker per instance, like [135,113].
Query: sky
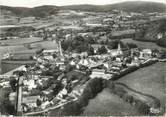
[33,3]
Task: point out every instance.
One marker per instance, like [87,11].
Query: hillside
[154,31]
[41,11]
[46,10]
[135,6]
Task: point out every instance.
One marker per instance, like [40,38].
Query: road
[19,96]
[48,109]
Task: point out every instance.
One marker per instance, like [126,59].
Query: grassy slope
[135,6]
[46,10]
[151,32]
[149,80]
[41,11]
[142,44]
[106,104]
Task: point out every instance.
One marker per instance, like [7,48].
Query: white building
[30,84]
[116,52]
[145,54]
[30,101]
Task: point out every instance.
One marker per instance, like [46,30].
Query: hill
[46,10]
[134,6]
[154,31]
[41,11]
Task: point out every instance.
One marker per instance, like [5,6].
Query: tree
[102,50]
[162,26]
[90,40]
[54,56]
[35,92]
[13,83]
[78,44]
[91,51]
[57,87]
[131,45]
[82,48]
[38,52]
[69,68]
[6,107]
[142,107]
[155,52]
[110,85]
[96,85]
[161,42]
[114,44]
[71,109]
[163,54]
[129,60]
[38,102]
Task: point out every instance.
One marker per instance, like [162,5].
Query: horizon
[36,3]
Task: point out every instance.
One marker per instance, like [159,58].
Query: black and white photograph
[83,58]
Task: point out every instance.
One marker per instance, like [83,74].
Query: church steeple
[60,48]
[119,51]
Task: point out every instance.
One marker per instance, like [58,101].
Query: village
[55,78]
[87,48]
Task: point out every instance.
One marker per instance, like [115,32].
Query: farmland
[149,80]
[17,46]
[13,42]
[142,44]
[106,104]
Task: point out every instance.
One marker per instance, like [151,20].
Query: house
[59,63]
[45,104]
[30,84]
[83,62]
[49,52]
[5,84]
[83,54]
[48,57]
[62,67]
[12,96]
[97,73]
[30,101]
[97,46]
[47,92]
[100,73]
[145,54]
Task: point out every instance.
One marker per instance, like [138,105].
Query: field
[106,104]
[141,44]
[17,46]
[150,80]
[13,42]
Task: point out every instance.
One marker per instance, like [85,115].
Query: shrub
[110,85]
[93,87]
[96,85]
[71,109]
[120,92]
[156,103]
[13,83]
[142,107]
[130,99]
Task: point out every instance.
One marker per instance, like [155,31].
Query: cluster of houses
[105,66]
